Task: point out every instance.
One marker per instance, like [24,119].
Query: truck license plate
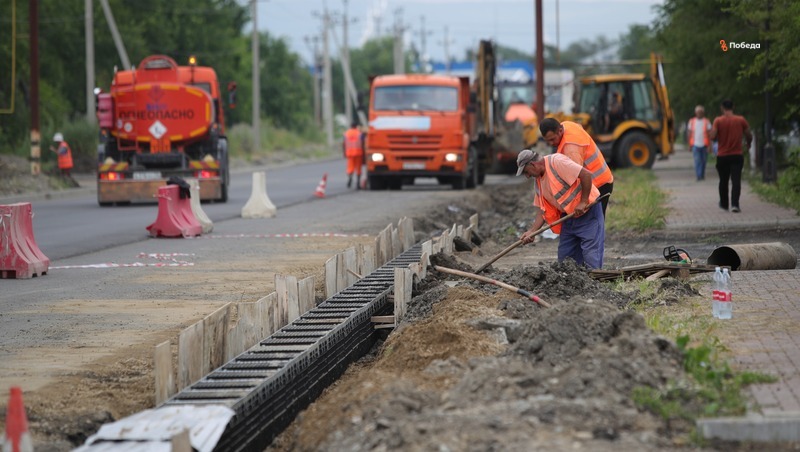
[414,165]
[147,175]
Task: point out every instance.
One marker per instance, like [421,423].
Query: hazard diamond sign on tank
[157,129]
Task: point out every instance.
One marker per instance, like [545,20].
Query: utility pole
[255,43]
[539,62]
[112,24]
[348,104]
[423,34]
[398,31]
[88,15]
[36,138]
[350,88]
[446,43]
[327,86]
[312,42]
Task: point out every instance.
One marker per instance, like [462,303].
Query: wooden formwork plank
[330,277]
[366,260]
[396,248]
[215,335]
[190,355]
[350,262]
[386,245]
[305,290]
[427,247]
[405,229]
[293,298]
[403,283]
[249,326]
[163,372]
[288,296]
[272,314]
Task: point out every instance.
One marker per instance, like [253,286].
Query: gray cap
[526,156]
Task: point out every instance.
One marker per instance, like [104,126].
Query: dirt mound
[482,369]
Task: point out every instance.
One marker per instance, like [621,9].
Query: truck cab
[420,126]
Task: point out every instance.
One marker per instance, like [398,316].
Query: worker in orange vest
[353,150]
[64,153]
[570,139]
[564,187]
[697,132]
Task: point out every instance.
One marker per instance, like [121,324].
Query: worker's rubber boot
[349,180]
[358,182]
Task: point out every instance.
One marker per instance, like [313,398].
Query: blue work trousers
[583,238]
[700,154]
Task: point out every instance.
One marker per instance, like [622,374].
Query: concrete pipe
[755,256]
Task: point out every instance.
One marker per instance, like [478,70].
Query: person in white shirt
[697,133]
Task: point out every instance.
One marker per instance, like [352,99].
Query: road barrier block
[175,217]
[20,256]
[259,204]
[197,209]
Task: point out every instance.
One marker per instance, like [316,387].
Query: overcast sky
[507,22]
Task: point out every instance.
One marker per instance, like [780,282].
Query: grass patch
[711,388]
[714,388]
[277,144]
[637,204]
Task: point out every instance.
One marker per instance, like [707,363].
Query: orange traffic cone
[320,191]
[17,438]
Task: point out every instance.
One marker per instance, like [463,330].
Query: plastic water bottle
[716,292]
[726,301]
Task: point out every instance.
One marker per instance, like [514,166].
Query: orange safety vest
[65,159]
[567,196]
[692,125]
[352,143]
[593,159]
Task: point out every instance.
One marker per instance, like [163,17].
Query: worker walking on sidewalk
[564,187]
[697,131]
[353,149]
[728,130]
[64,153]
[570,139]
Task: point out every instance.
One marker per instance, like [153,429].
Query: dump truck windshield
[416,97]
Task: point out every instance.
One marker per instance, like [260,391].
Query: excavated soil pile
[471,368]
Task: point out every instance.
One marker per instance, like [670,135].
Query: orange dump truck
[424,126]
[161,120]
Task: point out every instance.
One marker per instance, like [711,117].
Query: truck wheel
[224,169]
[636,150]
[472,169]
[376,183]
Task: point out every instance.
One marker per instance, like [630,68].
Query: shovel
[497,283]
[538,231]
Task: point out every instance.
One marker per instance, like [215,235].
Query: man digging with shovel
[565,188]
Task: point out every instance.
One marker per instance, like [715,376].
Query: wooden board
[162,368]
[190,355]
[215,335]
[673,269]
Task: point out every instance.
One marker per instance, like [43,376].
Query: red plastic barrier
[175,217]
[20,257]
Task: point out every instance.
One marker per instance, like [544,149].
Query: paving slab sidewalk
[765,328]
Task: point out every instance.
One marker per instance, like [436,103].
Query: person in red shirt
[728,130]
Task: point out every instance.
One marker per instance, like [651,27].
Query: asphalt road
[75,225]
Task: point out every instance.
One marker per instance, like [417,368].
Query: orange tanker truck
[161,120]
